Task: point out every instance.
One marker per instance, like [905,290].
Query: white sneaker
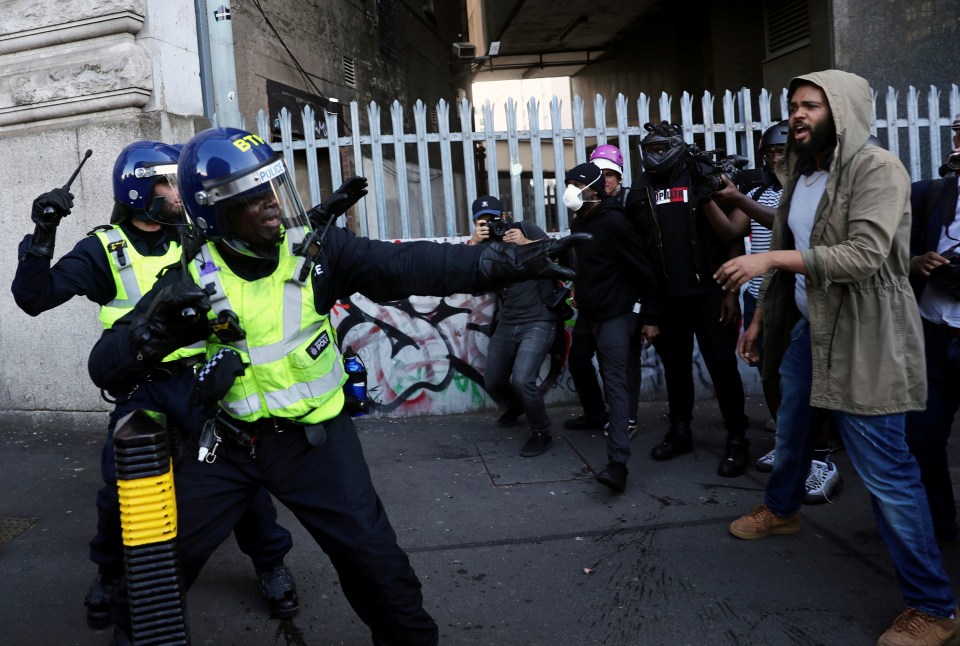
[824,481]
[632,429]
[764,464]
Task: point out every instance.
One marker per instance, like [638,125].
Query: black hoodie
[613,269]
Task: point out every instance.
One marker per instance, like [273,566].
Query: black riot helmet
[775,135]
[662,148]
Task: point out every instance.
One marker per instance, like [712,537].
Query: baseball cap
[588,174]
[486,205]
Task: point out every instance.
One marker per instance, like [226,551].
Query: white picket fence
[418,193]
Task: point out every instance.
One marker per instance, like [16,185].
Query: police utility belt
[246,434]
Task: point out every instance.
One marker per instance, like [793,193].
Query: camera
[708,166]
[953,162]
[557,301]
[947,277]
[498,227]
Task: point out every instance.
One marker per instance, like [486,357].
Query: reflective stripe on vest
[294,368]
[133,275]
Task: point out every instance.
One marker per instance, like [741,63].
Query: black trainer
[677,441]
[614,476]
[280,591]
[585,423]
[538,443]
[97,602]
[509,418]
[735,459]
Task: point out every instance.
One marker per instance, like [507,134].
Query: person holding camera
[667,201]
[935,277]
[615,286]
[525,331]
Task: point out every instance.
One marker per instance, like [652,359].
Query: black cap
[486,205]
[588,174]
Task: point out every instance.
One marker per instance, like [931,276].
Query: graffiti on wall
[426,355]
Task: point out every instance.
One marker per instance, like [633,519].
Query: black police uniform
[85,271]
[328,487]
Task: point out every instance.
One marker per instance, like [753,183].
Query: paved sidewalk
[510,550]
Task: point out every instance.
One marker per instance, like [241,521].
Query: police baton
[48,210]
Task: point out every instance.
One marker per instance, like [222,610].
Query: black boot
[734,463]
[280,591]
[98,601]
[677,441]
[614,476]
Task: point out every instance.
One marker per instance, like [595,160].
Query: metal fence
[420,188]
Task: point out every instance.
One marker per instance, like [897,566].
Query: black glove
[175,309]
[47,211]
[339,201]
[501,264]
[216,378]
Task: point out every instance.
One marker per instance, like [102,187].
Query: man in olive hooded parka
[841,326]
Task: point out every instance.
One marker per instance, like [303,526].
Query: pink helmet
[608,157]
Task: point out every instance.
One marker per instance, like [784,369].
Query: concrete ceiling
[544,38]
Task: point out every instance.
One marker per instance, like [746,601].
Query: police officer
[278,379]
[112,267]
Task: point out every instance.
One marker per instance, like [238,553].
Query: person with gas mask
[664,202]
[274,380]
[617,299]
[113,266]
[525,328]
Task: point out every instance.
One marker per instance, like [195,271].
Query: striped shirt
[759,234]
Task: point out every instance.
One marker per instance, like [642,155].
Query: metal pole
[222,64]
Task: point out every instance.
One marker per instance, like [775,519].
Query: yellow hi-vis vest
[294,369]
[133,275]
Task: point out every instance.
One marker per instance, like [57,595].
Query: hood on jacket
[850,102]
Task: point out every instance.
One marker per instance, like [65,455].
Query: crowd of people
[214,231]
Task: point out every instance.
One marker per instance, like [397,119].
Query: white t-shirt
[803,208]
[935,305]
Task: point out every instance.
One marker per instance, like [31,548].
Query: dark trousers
[580,360]
[681,320]
[929,430]
[514,357]
[614,341]
[329,490]
[257,532]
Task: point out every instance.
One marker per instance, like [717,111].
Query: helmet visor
[255,211]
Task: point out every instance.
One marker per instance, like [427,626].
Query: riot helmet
[662,148]
[608,157]
[238,191]
[772,141]
[144,183]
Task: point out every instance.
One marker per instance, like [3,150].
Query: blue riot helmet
[238,191]
[144,183]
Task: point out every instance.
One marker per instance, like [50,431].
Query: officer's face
[811,122]
[256,221]
[170,211]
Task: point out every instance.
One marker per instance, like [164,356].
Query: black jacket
[933,203]
[613,269]
[379,270]
[694,241]
[83,271]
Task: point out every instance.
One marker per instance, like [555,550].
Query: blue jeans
[514,357]
[878,450]
[929,430]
